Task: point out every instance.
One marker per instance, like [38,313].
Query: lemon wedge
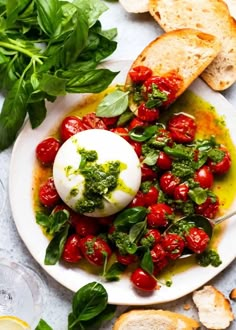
[13,323]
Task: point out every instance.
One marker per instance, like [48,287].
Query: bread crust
[209,16]
[184,52]
[154,320]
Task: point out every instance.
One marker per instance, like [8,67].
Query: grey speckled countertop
[135,32]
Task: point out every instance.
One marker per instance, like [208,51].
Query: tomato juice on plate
[155,256]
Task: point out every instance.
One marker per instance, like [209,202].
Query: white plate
[121,292]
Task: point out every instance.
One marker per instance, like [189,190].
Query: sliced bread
[214,308]
[232,7]
[135,6]
[184,52]
[209,16]
[154,320]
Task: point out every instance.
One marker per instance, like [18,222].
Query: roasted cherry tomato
[173,244]
[95,249]
[181,192]
[197,240]
[161,264]
[182,127]
[48,194]
[140,73]
[158,215]
[167,85]
[143,280]
[122,131]
[84,225]
[109,122]
[135,122]
[138,200]
[168,182]
[164,162]
[70,126]
[126,259]
[153,236]
[71,251]
[137,146]
[163,138]
[222,166]
[204,177]
[151,196]
[147,114]
[92,121]
[209,208]
[147,173]
[158,253]
[47,149]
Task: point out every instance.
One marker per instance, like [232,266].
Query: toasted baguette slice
[232,7]
[214,309]
[135,6]
[185,52]
[209,16]
[154,320]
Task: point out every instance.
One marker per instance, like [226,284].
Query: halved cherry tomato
[173,244]
[143,280]
[204,177]
[47,149]
[122,132]
[222,166]
[151,196]
[140,73]
[70,126]
[158,215]
[197,240]
[48,194]
[71,251]
[92,121]
[182,127]
[168,182]
[95,249]
[164,162]
[209,208]
[181,192]
[147,114]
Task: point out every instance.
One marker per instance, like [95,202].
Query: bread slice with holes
[209,16]
[135,6]
[154,320]
[184,52]
[214,308]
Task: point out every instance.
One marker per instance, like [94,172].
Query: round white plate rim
[120,293]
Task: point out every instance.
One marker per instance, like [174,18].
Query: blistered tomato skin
[140,73]
[153,235]
[181,192]
[173,244]
[164,162]
[122,131]
[204,177]
[137,146]
[147,173]
[143,281]
[147,114]
[168,182]
[92,121]
[182,127]
[138,200]
[85,226]
[158,253]
[197,240]
[135,122]
[71,252]
[209,208]
[223,166]
[48,195]
[47,149]
[126,259]
[95,249]
[151,196]
[70,126]
[158,215]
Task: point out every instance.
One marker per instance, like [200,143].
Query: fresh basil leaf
[137,231]
[142,133]
[92,8]
[198,195]
[147,263]
[13,8]
[42,325]
[56,245]
[37,112]
[49,15]
[52,84]
[93,81]
[13,113]
[95,323]
[116,269]
[88,302]
[179,151]
[151,158]
[125,117]
[130,216]
[109,34]
[54,222]
[113,104]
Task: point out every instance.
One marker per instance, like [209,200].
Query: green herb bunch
[48,49]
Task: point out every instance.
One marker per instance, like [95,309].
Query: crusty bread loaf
[213,307]
[232,7]
[209,16]
[186,52]
[135,6]
[154,320]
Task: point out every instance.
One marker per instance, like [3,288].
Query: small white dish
[121,292]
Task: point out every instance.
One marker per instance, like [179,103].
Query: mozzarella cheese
[109,147]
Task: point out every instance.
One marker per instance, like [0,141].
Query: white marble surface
[135,31]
